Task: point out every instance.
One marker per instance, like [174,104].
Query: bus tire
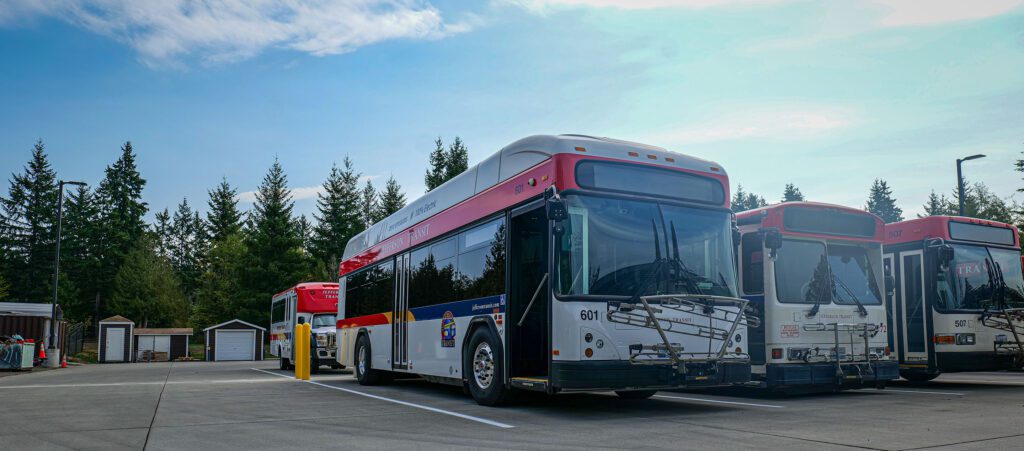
[636,394]
[365,374]
[918,377]
[485,368]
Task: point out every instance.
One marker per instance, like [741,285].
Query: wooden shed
[234,340]
[114,340]
[32,321]
[161,344]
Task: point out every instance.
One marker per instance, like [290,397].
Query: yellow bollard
[307,331]
[297,346]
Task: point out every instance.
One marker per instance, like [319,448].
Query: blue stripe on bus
[478,306]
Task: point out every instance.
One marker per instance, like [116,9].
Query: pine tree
[162,233]
[222,294]
[305,231]
[187,246]
[937,205]
[391,200]
[743,201]
[457,160]
[146,290]
[223,219]
[980,202]
[882,204]
[1019,167]
[339,214]
[369,204]
[792,194]
[275,259]
[5,289]
[80,254]
[27,231]
[121,226]
[438,166]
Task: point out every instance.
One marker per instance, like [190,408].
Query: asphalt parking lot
[252,405]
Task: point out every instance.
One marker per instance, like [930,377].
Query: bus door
[889,274]
[400,315]
[528,332]
[915,329]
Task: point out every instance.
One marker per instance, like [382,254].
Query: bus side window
[277,312]
[753,263]
[370,291]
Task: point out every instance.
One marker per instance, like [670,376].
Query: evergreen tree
[391,200]
[80,255]
[1019,167]
[882,204]
[937,205]
[369,205]
[743,201]
[187,246]
[28,229]
[438,166]
[980,202]
[221,293]
[120,223]
[792,194]
[223,219]
[339,214]
[4,289]
[146,290]
[305,231]
[275,260]
[162,233]
[457,160]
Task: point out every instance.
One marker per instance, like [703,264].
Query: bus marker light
[589,353]
[888,351]
[634,154]
[776,353]
[544,178]
[589,337]
[581,149]
[554,352]
[670,159]
[945,339]
[600,343]
[716,169]
[739,350]
[652,157]
[532,182]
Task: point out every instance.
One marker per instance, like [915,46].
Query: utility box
[16,353]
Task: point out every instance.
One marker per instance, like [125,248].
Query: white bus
[317,304]
[813,272]
[958,298]
[560,263]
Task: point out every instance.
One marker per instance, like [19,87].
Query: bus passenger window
[277,312]
[370,291]
[482,267]
[753,263]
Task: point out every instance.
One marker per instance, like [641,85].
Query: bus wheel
[636,394]
[918,377]
[485,368]
[364,373]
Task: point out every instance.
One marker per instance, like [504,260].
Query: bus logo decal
[448,330]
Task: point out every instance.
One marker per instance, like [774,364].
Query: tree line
[185,268]
[979,202]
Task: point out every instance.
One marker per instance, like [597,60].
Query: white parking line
[404,403]
[978,381]
[717,401]
[922,392]
[109,384]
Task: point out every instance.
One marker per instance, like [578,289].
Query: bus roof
[816,219]
[314,297]
[506,163]
[930,227]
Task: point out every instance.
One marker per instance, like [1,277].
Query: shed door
[114,345]
[235,345]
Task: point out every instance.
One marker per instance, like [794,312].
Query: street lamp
[52,353]
[960,179]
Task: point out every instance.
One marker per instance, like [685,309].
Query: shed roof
[117,319]
[234,321]
[28,309]
[164,331]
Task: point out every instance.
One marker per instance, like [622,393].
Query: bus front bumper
[854,374]
[617,374]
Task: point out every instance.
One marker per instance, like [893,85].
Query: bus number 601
[588,315]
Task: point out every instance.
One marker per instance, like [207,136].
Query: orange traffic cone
[42,352]
[64,362]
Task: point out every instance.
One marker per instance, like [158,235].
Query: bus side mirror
[944,254]
[890,285]
[772,241]
[555,206]
[736,237]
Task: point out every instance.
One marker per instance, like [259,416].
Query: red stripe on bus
[360,321]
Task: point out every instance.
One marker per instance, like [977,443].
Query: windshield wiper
[818,298]
[681,268]
[860,307]
[1001,284]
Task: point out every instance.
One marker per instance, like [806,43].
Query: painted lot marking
[979,381]
[396,401]
[923,392]
[127,384]
[718,401]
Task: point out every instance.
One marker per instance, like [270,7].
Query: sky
[825,95]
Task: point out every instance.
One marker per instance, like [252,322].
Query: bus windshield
[620,247]
[811,272]
[981,278]
[324,320]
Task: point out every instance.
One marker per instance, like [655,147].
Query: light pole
[960,179]
[52,353]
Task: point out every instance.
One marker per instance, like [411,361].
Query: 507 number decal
[588,315]
[960,323]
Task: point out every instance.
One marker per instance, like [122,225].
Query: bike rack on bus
[862,330]
[1008,320]
[716,309]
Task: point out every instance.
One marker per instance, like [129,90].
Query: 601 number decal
[588,315]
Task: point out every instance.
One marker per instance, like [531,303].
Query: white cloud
[541,6]
[759,123]
[902,13]
[166,31]
[302,192]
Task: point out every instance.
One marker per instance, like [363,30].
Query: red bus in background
[317,304]
[958,295]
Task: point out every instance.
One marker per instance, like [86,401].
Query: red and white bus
[813,273]
[560,263]
[317,304]
[958,297]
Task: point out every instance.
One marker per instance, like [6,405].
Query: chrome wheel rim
[362,360]
[483,365]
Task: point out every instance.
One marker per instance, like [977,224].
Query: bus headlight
[965,339]
[321,340]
